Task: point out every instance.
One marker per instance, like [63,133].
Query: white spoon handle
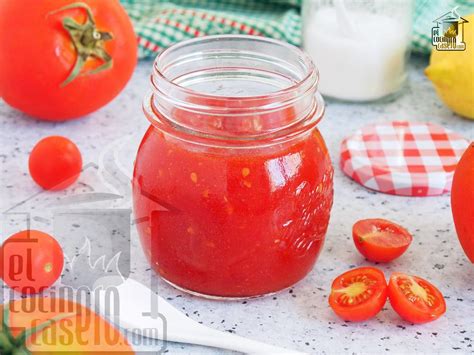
[134,305]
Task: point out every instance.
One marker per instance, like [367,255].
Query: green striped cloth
[160,23]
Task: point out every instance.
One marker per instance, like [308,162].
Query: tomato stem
[87,40]
[16,346]
[7,341]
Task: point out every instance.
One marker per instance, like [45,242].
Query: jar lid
[403,158]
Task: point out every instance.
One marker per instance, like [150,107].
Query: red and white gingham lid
[403,158]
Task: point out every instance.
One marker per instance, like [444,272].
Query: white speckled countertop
[298,318]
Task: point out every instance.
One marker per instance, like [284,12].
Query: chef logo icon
[92,221]
[448,34]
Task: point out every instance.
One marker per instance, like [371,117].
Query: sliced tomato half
[358,294]
[380,240]
[415,299]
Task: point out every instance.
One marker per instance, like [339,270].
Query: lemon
[452,74]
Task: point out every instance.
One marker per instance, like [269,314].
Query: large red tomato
[52,325]
[61,59]
[462,201]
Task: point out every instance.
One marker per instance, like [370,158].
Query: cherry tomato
[358,294]
[55,163]
[462,197]
[380,240]
[31,261]
[61,59]
[415,299]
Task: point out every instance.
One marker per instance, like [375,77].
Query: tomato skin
[462,195]
[55,163]
[368,308]
[389,240]
[37,55]
[417,312]
[41,261]
[81,331]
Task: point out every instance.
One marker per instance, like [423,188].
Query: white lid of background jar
[403,158]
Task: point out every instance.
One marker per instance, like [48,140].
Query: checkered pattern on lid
[403,158]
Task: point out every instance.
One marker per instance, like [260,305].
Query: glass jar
[233,181]
[360,46]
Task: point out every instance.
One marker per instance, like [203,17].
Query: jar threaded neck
[233,87]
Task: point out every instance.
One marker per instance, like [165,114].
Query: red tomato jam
[233,183]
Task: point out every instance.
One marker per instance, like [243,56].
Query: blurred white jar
[360,46]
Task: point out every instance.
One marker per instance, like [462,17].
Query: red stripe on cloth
[187,28]
[148,44]
[213,18]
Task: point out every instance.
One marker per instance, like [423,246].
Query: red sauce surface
[232,222]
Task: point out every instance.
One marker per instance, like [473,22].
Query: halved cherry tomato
[380,240]
[358,294]
[31,261]
[55,163]
[414,299]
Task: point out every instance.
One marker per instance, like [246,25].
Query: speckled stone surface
[297,318]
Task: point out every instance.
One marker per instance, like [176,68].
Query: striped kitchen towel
[160,23]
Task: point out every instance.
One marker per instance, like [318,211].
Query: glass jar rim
[236,62]
[312,71]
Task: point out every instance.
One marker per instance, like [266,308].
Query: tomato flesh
[55,163]
[31,261]
[462,205]
[358,294]
[380,240]
[415,299]
[232,223]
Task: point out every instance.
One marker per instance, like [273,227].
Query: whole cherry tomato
[414,299]
[55,163]
[462,201]
[61,59]
[31,261]
[380,240]
[358,294]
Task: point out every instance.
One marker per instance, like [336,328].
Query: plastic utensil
[344,20]
[134,303]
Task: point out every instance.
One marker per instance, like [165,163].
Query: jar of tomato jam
[233,182]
